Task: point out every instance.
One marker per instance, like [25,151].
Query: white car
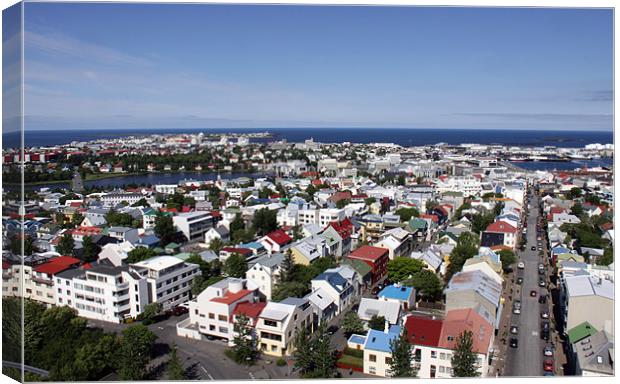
[521,265]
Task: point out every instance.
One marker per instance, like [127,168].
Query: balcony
[42,281]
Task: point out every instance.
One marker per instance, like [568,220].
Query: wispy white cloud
[56,43]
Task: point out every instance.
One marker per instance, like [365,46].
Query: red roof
[459,320]
[57,264]
[75,204]
[336,197]
[344,228]
[216,214]
[280,237]
[501,227]
[310,174]
[86,231]
[317,182]
[423,331]
[368,252]
[6,264]
[231,297]
[241,251]
[251,310]
[434,218]
[607,226]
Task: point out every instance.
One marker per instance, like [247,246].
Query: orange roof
[57,264]
[251,310]
[459,320]
[368,252]
[231,297]
[501,227]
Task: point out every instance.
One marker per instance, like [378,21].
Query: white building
[264,273]
[194,225]
[279,323]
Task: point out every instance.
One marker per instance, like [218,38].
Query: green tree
[244,348]
[134,352]
[66,245]
[507,258]
[402,268]
[608,256]
[351,323]
[216,245]
[265,221]
[377,323]
[141,203]
[574,193]
[303,352]
[287,268]
[577,209]
[139,254]
[174,367]
[235,265]
[237,224]
[322,353]
[150,311]
[480,222]
[90,250]
[15,245]
[370,201]
[464,360]
[427,284]
[466,247]
[165,229]
[402,356]
[77,219]
[342,203]
[407,213]
[297,234]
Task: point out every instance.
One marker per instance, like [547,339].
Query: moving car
[544,314]
[514,343]
[521,265]
[533,293]
[548,365]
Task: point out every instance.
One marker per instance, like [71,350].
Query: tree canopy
[464,360]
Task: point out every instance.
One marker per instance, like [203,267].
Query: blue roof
[357,339]
[396,293]
[380,341]
[148,240]
[253,245]
[558,250]
[334,279]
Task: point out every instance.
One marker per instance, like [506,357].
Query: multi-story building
[194,225]
[211,312]
[112,199]
[279,323]
[264,273]
[169,279]
[102,292]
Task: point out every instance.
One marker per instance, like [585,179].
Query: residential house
[279,323]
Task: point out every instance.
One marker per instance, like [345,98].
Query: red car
[548,365]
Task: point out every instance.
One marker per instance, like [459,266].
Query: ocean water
[401,136]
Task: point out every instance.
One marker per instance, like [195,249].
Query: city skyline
[227,66]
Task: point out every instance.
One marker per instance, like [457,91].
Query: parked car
[544,314]
[533,293]
[548,365]
[514,343]
[544,334]
[533,247]
[516,307]
[521,265]
[541,282]
[519,280]
[180,310]
[541,267]
[514,330]
[548,350]
[542,299]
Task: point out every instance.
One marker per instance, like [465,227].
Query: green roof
[183,255]
[417,223]
[580,332]
[362,268]
[172,245]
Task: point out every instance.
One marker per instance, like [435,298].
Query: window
[222,317]
[442,356]
[372,370]
[274,348]
[271,323]
[442,369]
[223,330]
[433,354]
[372,358]
[388,360]
[67,282]
[211,327]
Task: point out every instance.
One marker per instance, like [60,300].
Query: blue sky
[139,66]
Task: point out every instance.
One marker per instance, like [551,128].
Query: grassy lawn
[352,360]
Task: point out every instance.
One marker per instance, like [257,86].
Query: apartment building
[169,279]
[194,225]
[113,199]
[102,292]
[264,273]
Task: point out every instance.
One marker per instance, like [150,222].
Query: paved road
[527,359]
